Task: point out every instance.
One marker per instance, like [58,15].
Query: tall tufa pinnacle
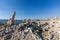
[14,15]
[11,20]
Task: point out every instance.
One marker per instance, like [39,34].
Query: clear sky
[33,9]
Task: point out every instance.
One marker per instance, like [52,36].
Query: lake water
[15,21]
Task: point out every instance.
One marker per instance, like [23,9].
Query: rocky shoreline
[31,29]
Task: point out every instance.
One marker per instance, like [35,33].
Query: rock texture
[48,29]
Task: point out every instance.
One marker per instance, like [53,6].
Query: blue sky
[33,9]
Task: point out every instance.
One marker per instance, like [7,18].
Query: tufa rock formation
[11,20]
[48,29]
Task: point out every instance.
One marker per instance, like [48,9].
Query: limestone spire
[11,20]
[13,15]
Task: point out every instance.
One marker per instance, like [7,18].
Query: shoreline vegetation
[30,29]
